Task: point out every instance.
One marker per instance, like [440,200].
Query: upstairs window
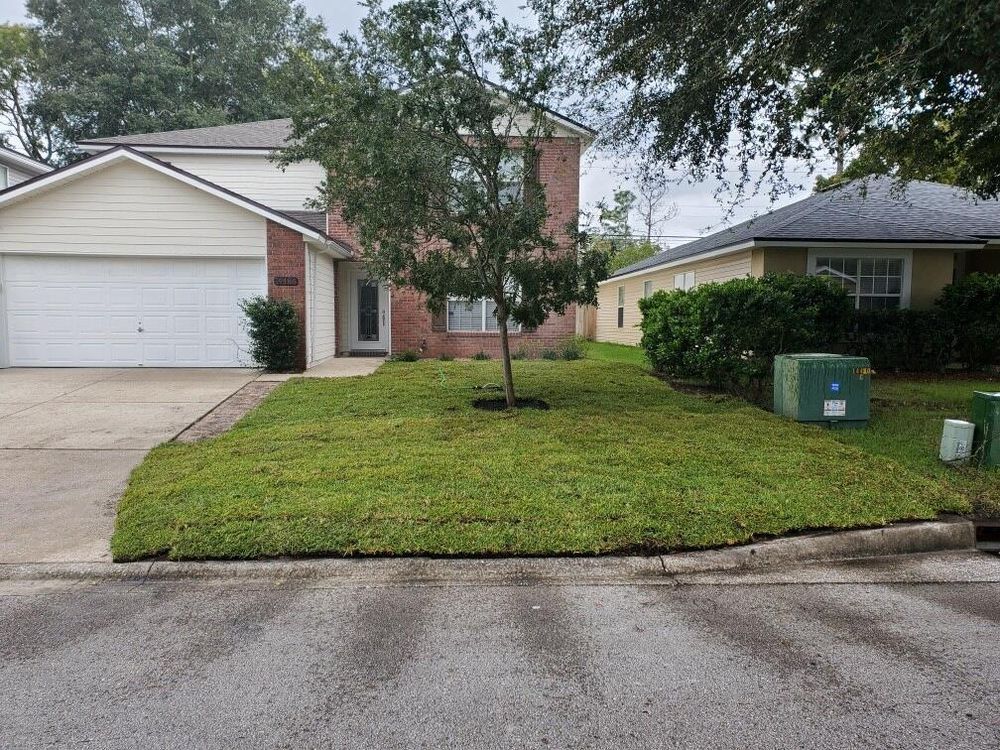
[511,173]
[621,307]
[647,289]
[4,178]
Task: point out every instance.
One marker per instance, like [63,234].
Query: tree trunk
[508,375]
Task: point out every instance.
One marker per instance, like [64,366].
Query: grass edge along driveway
[399,463]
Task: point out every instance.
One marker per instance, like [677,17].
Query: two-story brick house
[139,255]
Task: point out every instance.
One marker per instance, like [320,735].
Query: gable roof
[118,153]
[264,134]
[875,210]
[22,162]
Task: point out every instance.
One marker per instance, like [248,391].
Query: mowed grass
[908,415]
[399,463]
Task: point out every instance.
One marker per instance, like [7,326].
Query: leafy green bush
[572,348]
[905,340]
[550,354]
[481,355]
[407,355]
[274,333]
[728,334]
[971,308]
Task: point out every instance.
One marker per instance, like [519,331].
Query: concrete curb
[900,539]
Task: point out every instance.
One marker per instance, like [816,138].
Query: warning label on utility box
[835,408]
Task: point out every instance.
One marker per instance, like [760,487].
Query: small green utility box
[823,389]
[986,417]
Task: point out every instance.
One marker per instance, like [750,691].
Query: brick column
[286,258]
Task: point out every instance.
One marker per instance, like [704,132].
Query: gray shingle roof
[876,209]
[315,219]
[269,134]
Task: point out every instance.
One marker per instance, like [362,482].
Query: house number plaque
[286,280]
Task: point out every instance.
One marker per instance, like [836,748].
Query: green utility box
[986,417]
[824,389]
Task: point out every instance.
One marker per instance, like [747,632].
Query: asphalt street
[879,654]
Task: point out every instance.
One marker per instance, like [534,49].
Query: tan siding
[732,266]
[933,270]
[129,209]
[783,260]
[256,177]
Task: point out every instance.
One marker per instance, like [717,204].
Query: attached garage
[124,261]
[127,312]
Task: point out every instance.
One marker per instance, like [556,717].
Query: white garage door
[127,312]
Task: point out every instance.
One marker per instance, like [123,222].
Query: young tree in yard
[755,84]
[436,168]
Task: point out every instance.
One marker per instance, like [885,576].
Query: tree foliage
[437,168]
[20,62]
[754,83]
[113,68]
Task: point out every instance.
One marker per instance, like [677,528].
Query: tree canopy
[438,169]
[95,68]
[709,86]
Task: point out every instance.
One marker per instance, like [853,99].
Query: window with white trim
[621,307]
[647,289]
[872,283]
[4,178]
[685,281]
[477,316]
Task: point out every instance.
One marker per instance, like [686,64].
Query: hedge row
[728,334]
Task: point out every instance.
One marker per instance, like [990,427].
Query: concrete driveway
[69,439]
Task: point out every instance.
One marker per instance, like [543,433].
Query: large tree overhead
[21,128]
[114,67]
[711,84]
[437,168]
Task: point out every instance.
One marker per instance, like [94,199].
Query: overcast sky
[699,211]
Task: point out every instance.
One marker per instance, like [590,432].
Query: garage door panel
[88,311]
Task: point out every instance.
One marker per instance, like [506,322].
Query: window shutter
[439,320]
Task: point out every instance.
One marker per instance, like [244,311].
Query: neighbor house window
[685,281]
[4,178]
[478,316]
[621,307]
[872,283]
[647,289]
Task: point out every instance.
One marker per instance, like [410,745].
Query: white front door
[369,323]
[127,312]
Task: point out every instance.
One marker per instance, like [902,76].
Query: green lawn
[908,415]
[400,463]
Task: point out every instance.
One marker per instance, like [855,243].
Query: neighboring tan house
[888,245]
[15,168]
[139,255]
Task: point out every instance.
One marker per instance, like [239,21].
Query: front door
[370,312]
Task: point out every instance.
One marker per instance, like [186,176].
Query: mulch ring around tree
[500,404]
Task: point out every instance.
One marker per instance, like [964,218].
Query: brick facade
[559,173]
[286,256]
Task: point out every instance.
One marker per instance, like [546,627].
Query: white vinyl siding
[256,177]
[322,316]
[129,209]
